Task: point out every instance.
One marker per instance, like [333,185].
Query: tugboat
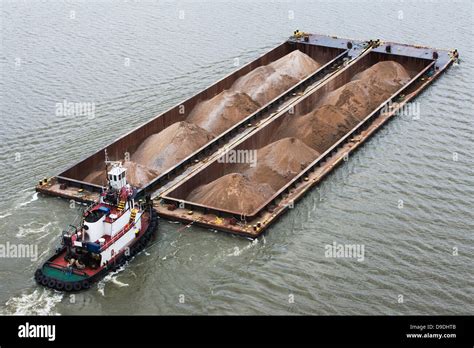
[111,231]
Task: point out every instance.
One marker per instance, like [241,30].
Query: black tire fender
[52,283]
[86,284]
[39,278]
[59,285]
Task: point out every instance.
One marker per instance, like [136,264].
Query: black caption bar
[138,330]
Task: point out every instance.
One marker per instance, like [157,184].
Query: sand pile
[267,82]
[340,110]
[353,98]
[223,111]
[232,192]
[318,129]
[97,177]
[137,175]
[280,161]
[383,75]
[264,84]
[162,150]
[368,89]
[296,64]
[383,79]
[251,91]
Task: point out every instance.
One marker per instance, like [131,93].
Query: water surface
[135,59]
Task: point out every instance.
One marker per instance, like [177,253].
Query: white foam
[26,230]
[33,198]
[5,215]
[40,302]
[110,278]
[237,251]
[119,283]
[101,287]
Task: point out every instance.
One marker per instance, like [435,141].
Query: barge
[341,61]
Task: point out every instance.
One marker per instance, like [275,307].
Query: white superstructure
[116,220]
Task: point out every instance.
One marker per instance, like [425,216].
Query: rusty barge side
[333,52]
[426,65]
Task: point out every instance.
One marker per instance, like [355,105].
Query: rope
[188,225]
[179,230]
